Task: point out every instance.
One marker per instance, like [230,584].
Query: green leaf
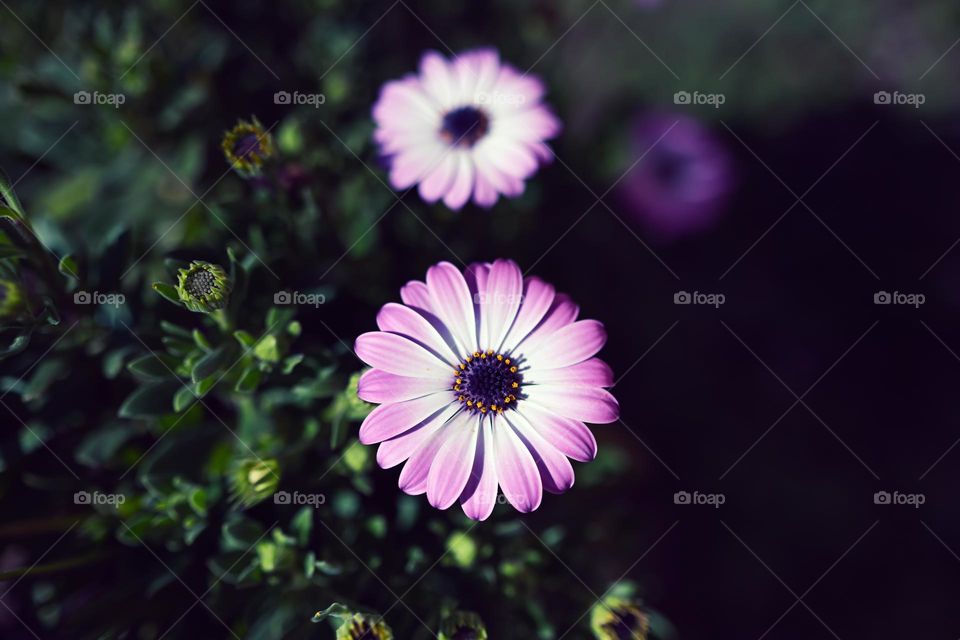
[241,534]
[183,399]
[204,386]
[68,267]
[148,401]
[267,349]
[209,364]
[336,610]
[244,338]
[168,291]
[249,380]
[201,340]
[149,367]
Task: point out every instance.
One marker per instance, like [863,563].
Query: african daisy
[462,127]
[484,379]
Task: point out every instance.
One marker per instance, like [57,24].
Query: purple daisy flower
[682,183]
[462,127]
[484,379]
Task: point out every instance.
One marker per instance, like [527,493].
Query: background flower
[470,126]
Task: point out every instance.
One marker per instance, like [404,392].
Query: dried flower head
[618,619]
[247,146]
[254,480]
[11,299]
[463,625]
[364,627]
[203,287]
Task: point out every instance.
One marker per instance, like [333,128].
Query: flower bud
[203,287]
[618,619]
[463,625]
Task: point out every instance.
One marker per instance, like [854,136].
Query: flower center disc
[464,126]
[200,283]
[246,145]
[487,381]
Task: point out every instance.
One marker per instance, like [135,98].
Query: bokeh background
[786,189]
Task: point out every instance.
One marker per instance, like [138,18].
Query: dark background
[709,396]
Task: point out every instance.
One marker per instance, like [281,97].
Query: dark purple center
[246,145]
[464,126]
[671,168]
[488,382]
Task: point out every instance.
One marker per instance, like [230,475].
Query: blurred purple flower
[681,183]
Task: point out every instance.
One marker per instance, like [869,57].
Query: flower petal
[462,185]
[501,300]
[562,312]
[398,448]
[450,298]
[571,437]
[555,470]
[381,387]
[537,298]
[413,477]
[438,79]
[516,469]
[389,420]
[415,294]
[452,465]
[568,345]
[440,179]
[589,404]
[480,495]
[589,373]
[397,318]
[399,355]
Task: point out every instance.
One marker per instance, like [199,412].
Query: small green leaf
[336,610]
[148,401]
[204,386]
[209,364]
[168,291]
[68,267]
[149,367]
[249,380]
[201,340]
[267,349]
[183,398]
[244,338]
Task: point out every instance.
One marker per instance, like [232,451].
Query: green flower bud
[618,619]
[255,480]
[11,299]
[203,287]
[364,627]
[247,146]
[463,625]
